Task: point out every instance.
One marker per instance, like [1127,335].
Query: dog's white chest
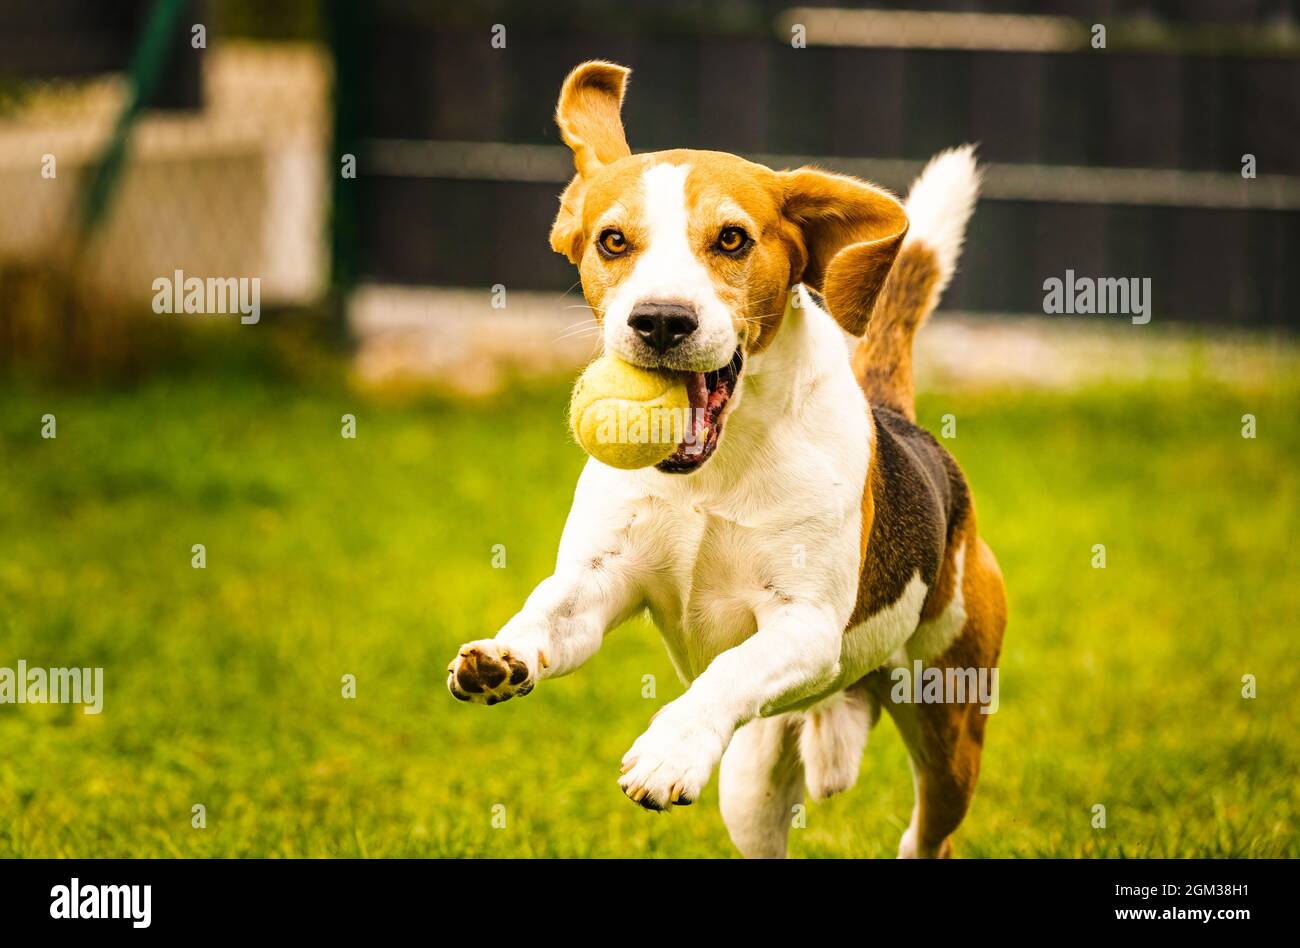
[707,602]
[773,519]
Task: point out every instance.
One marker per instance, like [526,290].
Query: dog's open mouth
[709,393]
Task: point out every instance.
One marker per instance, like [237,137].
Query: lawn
[374,557]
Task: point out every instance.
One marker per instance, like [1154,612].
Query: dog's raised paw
[487,672]
[670,763]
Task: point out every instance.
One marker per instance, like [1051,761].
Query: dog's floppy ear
[588,114]
[849,232]
[589,121]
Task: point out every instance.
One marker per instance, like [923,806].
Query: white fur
[832,739]
[870,643]
[933,638]
[940,203]
[760,782]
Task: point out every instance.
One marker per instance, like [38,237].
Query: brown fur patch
[851,231]
[883,362]
[588,115]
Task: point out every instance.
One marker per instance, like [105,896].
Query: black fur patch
[920,497]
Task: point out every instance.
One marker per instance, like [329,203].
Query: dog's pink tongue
[697,389]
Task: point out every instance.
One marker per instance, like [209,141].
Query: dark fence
[1184,92]
[1123,161]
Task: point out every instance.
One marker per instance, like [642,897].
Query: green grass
[325,557]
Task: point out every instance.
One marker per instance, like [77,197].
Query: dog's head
[688,257]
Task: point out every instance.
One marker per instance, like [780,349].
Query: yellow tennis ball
[626,416]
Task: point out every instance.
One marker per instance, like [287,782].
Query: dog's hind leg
[944,743]
[833,737]
[945,739]
[760,781]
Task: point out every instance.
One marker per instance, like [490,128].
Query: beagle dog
[814,540]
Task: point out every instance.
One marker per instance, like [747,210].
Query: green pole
[347,23]
[146,67]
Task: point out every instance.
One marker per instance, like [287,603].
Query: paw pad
[488,673]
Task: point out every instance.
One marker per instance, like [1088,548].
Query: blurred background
[388,170]
[364,159]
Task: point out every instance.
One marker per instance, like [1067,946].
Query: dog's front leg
[794,654]
[596,586]
[560,626]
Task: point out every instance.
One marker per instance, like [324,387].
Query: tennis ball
[626,416]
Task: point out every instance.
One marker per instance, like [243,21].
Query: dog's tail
[938,207]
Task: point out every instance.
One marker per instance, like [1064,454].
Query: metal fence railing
[1125,160]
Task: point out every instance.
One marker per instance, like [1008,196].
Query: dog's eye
[732,240]
[613,243]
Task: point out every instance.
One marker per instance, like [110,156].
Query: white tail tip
[940,203]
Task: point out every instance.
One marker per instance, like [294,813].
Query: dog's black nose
[662,325]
